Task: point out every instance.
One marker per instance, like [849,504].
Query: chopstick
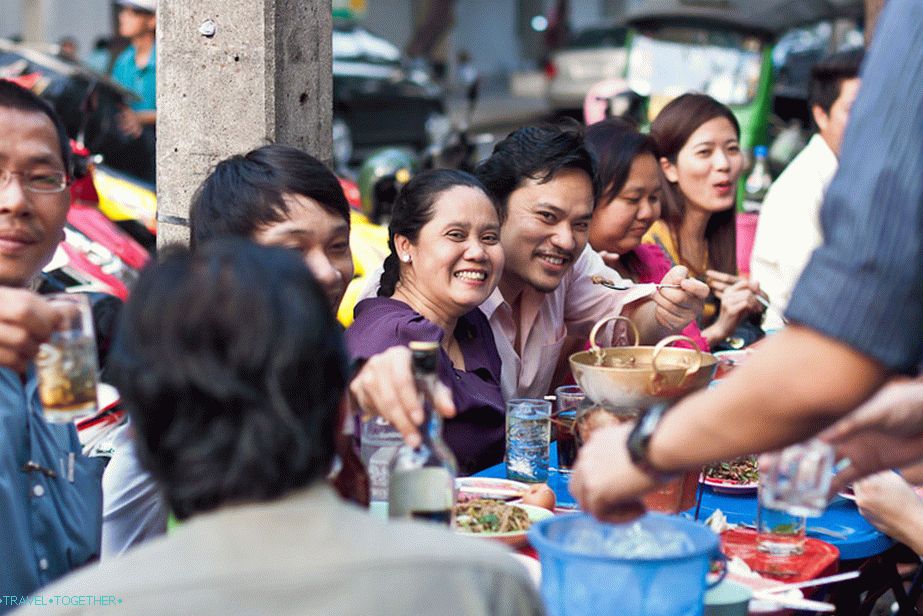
[793,603]
[491,491]
[830,579]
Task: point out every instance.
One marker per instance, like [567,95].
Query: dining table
[859,544]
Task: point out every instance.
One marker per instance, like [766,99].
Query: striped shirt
[864,285]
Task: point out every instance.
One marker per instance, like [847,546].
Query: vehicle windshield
[671,61]
[592,38]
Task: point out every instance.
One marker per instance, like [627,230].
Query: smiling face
[31,224]
[320,236]
[619,224]
[457,259]
[708,166]
[546,229]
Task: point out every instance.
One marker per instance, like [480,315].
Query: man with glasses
[50,517]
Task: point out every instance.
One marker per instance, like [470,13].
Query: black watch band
[639,439]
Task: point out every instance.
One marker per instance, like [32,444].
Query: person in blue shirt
[135,68]
[50,494]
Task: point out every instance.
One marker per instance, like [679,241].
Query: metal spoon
[625,286]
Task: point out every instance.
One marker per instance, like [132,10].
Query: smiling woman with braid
[445,260]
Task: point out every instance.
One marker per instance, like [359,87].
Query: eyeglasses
[44,182]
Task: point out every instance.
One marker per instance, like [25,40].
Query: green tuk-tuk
[720,47]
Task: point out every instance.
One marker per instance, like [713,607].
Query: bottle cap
[423,345]
[760,151]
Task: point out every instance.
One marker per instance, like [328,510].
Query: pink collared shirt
[547,319]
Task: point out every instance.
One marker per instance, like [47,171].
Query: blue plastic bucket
[582,573]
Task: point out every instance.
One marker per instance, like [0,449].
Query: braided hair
[414,209]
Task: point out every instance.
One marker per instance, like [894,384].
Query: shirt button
[38,490]
[43,564]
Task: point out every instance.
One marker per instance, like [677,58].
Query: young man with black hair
[789,223]
[543,178]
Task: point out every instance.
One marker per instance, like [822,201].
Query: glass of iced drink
[66,365]
[528,434]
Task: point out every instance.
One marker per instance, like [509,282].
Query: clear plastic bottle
[422,484]
[758,182]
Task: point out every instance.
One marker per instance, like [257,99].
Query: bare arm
[799,382]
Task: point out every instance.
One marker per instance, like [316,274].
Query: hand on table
[676,308]
[604,480]
[385,386]
[26,321]
[892,506]
[885,432]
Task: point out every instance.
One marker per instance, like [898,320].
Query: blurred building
[502,36]
[48,21]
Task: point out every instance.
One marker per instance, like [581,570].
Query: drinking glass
[568,399]
[797,479]
[779,533]
[528,433]
[66,365]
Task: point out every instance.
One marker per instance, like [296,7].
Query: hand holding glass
[66,365]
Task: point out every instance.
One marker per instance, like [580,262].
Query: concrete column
[233,75]
[33,21]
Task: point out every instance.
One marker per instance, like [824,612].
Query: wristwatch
[639,439]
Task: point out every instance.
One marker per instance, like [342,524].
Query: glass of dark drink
[568,399]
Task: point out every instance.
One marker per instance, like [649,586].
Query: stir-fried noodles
[490,516]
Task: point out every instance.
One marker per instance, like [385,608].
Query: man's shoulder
[312,545]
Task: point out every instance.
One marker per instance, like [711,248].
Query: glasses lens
[47,182]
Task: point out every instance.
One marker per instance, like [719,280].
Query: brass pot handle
[595,347]
[693,367]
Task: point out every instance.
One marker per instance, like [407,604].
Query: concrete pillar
[233,75]
[33,21]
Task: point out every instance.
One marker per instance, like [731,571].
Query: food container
[637,377]
[583,575]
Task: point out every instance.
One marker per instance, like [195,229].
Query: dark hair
[244,193]
[827,77]
[614,144]
[414,208]
[232,369]
[14,96]
[671,130]
[534,152]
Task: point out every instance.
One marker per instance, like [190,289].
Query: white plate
[729,487]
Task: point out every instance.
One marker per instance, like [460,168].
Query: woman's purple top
[476,433]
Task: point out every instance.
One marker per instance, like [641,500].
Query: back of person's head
[14,96]
[534,152]
[243,193]
[232,369]
[614,144]
[827,77]
[414,208]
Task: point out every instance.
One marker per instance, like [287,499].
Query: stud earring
[405,258]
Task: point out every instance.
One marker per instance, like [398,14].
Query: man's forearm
[643,314]
[147,118]
[796,384]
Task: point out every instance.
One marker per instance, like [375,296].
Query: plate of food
[738,476]
[497,520]
[470,488]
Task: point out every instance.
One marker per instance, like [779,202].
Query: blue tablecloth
[862,539]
